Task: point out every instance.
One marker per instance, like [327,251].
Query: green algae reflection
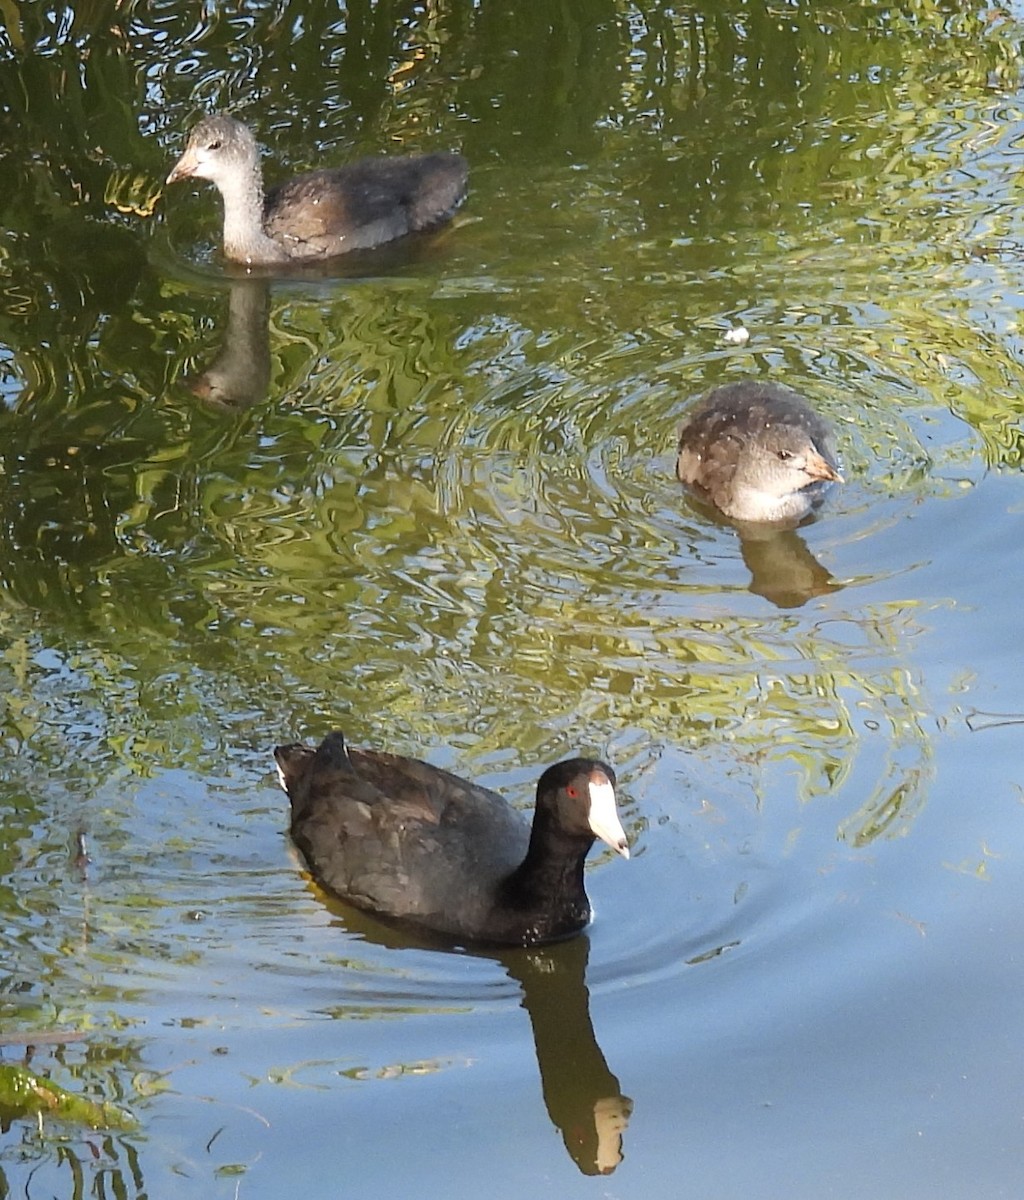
[25,1094]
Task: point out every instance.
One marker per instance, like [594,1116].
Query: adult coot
[322,213]
[408,840]
[758,452]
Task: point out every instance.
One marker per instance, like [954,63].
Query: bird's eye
[571,792]
[214,145]
[783,455]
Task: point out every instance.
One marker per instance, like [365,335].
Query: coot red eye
[571,791]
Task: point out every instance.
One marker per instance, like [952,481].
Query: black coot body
[410,841]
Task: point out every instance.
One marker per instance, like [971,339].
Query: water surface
[430,499]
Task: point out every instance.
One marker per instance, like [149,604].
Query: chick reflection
[782,568]
[581,1094]
[240,374]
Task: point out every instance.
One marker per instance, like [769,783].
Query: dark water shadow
[581,1094]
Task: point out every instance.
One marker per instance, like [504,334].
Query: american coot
[322,213]
[408,840]
[758,452]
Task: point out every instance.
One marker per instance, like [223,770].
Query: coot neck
[547,887]
[244,236]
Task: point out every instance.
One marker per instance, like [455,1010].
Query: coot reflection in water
[238,376]
[782,567]
[582,1095]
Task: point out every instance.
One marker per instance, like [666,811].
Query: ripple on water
[197,910]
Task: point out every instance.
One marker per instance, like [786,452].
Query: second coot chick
[322,213]
[758,452]
[408,840]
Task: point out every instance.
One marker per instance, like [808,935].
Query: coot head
[218,149]
[579,795]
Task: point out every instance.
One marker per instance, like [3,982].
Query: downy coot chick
[322,213]
[407,840]
[758,452]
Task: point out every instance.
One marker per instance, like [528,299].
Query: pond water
[429,498]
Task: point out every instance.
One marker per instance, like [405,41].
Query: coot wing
[364,204]
[399,836]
